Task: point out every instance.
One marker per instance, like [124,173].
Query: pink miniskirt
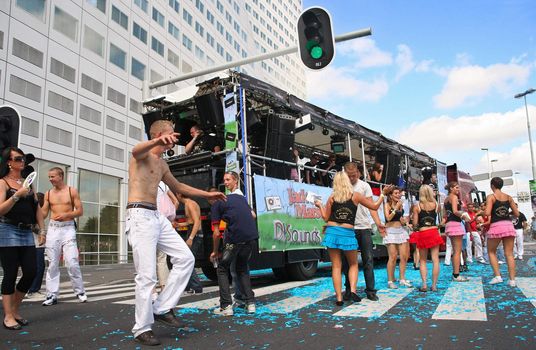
[454,228]
[501,229]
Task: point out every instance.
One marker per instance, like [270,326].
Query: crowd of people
[166,259]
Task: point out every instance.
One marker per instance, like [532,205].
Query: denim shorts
[12,236]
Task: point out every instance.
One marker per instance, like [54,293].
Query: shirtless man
[148,230]
[64,205]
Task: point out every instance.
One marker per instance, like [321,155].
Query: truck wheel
[210,272]
[280,273]
[303,270]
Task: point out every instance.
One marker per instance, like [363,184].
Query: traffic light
[9,128]
[315,38]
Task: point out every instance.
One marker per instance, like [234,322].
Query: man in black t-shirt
[201,142]
[239,241]
[520,224]
[313,176]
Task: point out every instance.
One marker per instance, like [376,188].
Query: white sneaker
[405,283]
[50,300]
[82,297]
[496,280]
[520,258]
[501,262]
[482,261]
[250,308]
[226,311]
[512,283]
[446,263]
[392,285]
[470,261]
[460,278]
[239,303]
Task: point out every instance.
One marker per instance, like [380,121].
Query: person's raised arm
[325,212]
[141,149]
[367,202]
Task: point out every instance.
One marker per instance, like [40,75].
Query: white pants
[61,237]
[147,231]
[518,245]
[477,241]
[162,271]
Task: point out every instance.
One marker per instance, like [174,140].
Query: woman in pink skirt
[427,237]
[454,229]
[499,206]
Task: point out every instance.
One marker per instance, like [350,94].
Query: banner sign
[231,125]
[532,187]
[287,218]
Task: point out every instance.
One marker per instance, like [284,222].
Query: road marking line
[463,301]
[214,302]
[294,303]
[91,299]
[205,290]
[528,287]
[371,309]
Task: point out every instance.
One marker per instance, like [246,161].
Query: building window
[174,31]
[173,58]
[199,5]
[158,17]
[1,40]
[62,70]
[186,67]
[199,53]
[114,153]
[60,102]
[119,17]
[157,46]
[174,4]
[210,17]
[137,69]
[65,24]
[135,106]
[29,127]
[89,114]
[88,145]
[115,124]
[118,56]
[93,41]
[228,57]
[229,38]
[210,40]
[99,4]
[116,97]
[27,53]
[24,88]
[219,27]
[187,16]
[134,132]
[199,29]
[59,136]
[142,4]
[186,42]
[219,49]
[98,228]
[34,7]
[219,6]
[236,27]
[91,84]
[139,32]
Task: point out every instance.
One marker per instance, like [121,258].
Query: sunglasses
[18,159]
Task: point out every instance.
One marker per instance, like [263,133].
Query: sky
[438,76]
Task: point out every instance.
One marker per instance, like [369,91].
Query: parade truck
[266,135]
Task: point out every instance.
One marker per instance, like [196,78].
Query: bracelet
[192,238]
[15,198]
[43,232]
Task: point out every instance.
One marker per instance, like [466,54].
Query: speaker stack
[279,144]
[210,110]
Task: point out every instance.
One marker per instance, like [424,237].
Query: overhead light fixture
[325,132]
[311,127]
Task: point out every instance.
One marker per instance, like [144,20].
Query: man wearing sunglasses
[64,205]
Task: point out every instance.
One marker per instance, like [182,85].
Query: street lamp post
[489,164]
[524,95]
[517,187]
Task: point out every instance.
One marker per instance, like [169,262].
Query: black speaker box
[210,110]
[280,138]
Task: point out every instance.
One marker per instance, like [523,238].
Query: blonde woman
[427,237]
[395,238]
[339,213]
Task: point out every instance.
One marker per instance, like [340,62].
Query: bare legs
[336,270]
[434,252]
[456,251]
[11,303]
[508,243]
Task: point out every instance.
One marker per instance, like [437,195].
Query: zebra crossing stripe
[133,301]
[463,301]
[527,285]
[105,297]
[305,296]
[214,302]
[109,289]
[367,308]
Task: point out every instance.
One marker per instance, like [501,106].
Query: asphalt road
[297,315]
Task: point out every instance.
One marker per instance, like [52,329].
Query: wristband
[15,198]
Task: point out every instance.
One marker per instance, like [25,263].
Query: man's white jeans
[148,230]
[477,241]
[61,237]
[518,245]
[448,253]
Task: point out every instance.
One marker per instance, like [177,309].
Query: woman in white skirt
[396,238]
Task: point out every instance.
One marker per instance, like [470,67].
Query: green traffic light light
[316,52]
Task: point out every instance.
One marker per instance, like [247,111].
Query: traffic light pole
[288,50]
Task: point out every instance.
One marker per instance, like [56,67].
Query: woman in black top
[499,206]
[427,237]
[339,213]
[454,229]
[19,211]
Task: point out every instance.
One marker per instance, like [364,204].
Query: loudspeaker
[279,143]
[253,121]
[393,169]
[210,110]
